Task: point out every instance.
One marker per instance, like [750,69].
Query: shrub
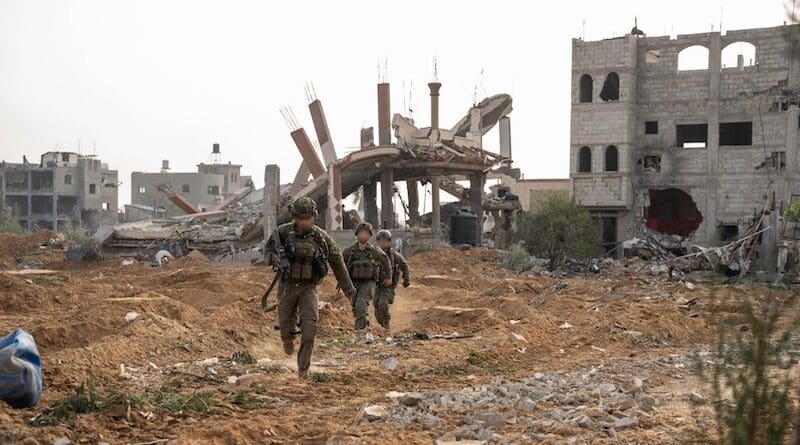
[558,230]
[792,213]
[750,376]
[517,259]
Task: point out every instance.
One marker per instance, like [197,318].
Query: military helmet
[364,226]
[303,206]
[383,234]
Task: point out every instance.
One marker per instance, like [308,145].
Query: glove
[406,283]
[387,282]
[350,293]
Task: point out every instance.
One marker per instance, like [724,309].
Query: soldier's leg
[361,304]
[381,304]
[287,315]
[309,312]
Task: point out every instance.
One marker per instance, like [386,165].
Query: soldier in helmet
[398,267]
[308,250]
[369,267]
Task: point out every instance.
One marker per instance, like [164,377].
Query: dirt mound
[14,246]
[195,257]
[448,319]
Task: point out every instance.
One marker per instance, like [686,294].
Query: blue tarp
[20,370]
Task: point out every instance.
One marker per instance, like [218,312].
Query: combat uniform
[297,287]
[366,267]
[398,266]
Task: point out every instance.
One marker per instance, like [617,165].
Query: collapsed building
[664,147]
[441,157]
[64,187]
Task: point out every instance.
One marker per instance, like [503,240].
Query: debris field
[182,354]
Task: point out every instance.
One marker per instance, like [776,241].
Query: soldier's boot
[302,374]
[386,327]
[288,346]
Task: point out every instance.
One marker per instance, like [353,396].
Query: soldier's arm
[336,260]
[386,267]
[403,267]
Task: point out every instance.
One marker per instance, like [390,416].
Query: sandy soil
[615,326]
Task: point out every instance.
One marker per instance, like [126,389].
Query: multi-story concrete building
[63,186]
[204,189]
[658,144]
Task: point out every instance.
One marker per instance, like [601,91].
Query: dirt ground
[182,354]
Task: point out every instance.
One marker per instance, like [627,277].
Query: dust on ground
[182,354]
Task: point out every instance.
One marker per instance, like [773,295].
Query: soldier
[308,251]
[398,266]
[366,264]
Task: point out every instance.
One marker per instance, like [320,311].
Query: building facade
[684,136]
[204,189]
[63,187]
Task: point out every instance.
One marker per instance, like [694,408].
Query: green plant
[84,400]
[243,357]
[750,375]
[321,377]
[558,230]
[169,399]
[517,259]
[8,224]
[792,213]
[246,400]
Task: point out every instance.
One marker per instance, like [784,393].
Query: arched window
[738,55]
[612,159]
[610,89]
[67,179]
[585,160]
[693,58]
[585,89]
[92,189]
[185,188]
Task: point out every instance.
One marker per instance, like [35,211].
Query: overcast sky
[150,80]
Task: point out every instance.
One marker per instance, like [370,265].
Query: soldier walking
[397,266]
[307,251]
[367,265]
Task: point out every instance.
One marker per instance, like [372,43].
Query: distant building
[62,187]
[204,189]
[531,192]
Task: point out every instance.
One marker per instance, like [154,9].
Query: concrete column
[505,137]
[792,119]
[306,149]
[367,137]
[436,213]
[712,146]
[475,126]
[30,200]
[413,202]
[55,212]
[334,213]
[477,181]
[323,134]
[384,115]
[434,87]
[272,198]
[300,178]
[371,202]
[387,192]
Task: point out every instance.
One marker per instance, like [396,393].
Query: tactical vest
[305,256]
[362,266]
[395,266]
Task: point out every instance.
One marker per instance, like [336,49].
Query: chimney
[384,117]
[215,149]
[434,86]
[165,166]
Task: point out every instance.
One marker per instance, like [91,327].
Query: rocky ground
[182,354]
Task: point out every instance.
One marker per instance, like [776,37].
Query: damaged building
[687,136]
[63,187]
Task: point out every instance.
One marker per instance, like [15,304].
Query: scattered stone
[604,388]
[584,422]
[689,285]
[681,301]
[232,379]
[62,441]
[565,325]
[490,418]
[130,316]
[626,422]
[127,262]
[208,362]
[646,403]
[636,386]
[626,404]
[391,363]
[375,412]
[411,398]
[696,398]
[595,412]
[526,405]
[539,376]
[514,337]
[460,442]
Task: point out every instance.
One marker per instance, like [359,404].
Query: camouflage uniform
[398,266]
[297,287]
[366,268]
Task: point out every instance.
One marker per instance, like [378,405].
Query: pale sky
[149,80]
